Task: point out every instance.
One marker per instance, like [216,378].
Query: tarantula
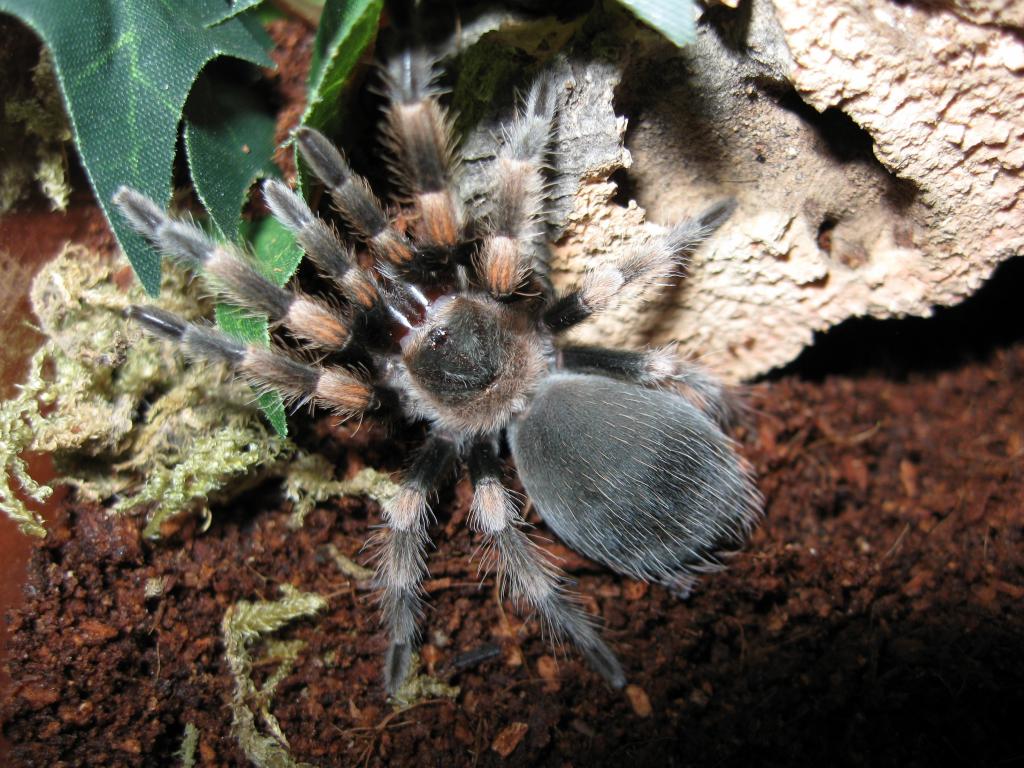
[623,453]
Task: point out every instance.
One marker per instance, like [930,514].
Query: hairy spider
[623,453]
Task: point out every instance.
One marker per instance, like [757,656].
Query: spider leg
[658,367]
[232,275]
[661,257]
[321,243]
[402,555]
[418,131]
[514,225]
[334,388]
[354,199]
[526,573]
[648,367]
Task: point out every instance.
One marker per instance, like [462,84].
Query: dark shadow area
[839,133]
[993,317]
[654,89]
[730,25]
[840,138]
[856,693]
[625,187]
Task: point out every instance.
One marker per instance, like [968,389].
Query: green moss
[310,481]
[198,439]
[419,687]
[244,623]
[189,742]
[285,653]
[182,467]
[485,71]
[71,401]
[52,176]
[87,384]
[348,566]
[34,132]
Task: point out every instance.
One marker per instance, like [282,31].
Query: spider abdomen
[639,479]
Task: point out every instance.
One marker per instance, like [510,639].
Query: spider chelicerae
[623,453]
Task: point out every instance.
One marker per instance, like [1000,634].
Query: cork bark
[875,149]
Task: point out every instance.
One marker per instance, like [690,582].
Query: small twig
[385,723]
[475,656]
[856,438]
[525,682]
[895,544]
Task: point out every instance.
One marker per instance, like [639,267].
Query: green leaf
[125,68]
[236,7]
[278,256]
[238,323]
[673,18]
[274,247]
[252,21]
[229,141]
[346,28]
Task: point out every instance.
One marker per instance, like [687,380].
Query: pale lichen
[244,623]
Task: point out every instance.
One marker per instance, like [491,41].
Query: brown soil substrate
[873,620]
